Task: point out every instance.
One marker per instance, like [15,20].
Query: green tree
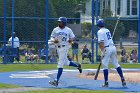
[110,24]
[86,29]
[33,29]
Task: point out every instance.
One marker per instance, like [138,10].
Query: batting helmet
[63,20]
[100,23]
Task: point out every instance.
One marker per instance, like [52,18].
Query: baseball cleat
[105,84]
[123,83]
[79,68]
[54,83]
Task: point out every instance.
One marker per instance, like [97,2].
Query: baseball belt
[61,46]
[109,45]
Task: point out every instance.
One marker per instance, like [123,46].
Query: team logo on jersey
[62,33]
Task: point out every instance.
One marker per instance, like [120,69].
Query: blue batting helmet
[100,23]
[63,20]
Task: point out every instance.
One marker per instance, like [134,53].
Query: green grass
[72,91]
[26,67]
[7,86]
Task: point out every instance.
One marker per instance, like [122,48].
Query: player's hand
[103,53]
[50,42]
[56,41]
[95,39]
[70,41]
[53,41]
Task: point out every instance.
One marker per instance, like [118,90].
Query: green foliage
[65,7]
[106,13]
[130,25]
[86,28]
[120,30]
[110,24]
[35,29]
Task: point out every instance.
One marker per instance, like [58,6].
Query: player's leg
[117,66]
[62,56]
[73,55]
[70,63]
[76,65]
[76,55]
[60,70]
[105,62]
[89,56]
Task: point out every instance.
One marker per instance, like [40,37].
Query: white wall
[123,12]
[112,6]
[87,16]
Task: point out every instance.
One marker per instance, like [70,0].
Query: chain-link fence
[27,18]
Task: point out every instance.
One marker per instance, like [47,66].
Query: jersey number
[64,39]
[108,35]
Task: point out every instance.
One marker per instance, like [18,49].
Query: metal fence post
[97,6]
[92,31]
[47,31]
[139,35]
[4,61]
[12,21]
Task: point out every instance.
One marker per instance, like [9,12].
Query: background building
[124,8]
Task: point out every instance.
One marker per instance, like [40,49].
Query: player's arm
[82,51]
[101,46]
[18,42]
[71,40]
[53,39]
[9,42]
[71,36]
[101,42]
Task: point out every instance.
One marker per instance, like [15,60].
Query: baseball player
[62,36]
[108,51]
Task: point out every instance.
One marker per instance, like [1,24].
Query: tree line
[30,15]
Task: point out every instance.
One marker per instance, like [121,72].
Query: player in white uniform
[108,50]
[63,35]
[15,43]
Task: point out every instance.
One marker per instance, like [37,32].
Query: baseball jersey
[104,35]
[15,42]
[63,35]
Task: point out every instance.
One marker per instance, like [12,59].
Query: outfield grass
[26,67]
[7,86]
[72,91]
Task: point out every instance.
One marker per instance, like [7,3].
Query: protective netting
[28,19]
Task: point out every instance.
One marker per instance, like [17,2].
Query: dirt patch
[113,76]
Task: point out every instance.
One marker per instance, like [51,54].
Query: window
[103,6]
[109,4]
[118,7]
[128,7]
[134,7]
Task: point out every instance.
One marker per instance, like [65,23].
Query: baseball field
[41,67]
